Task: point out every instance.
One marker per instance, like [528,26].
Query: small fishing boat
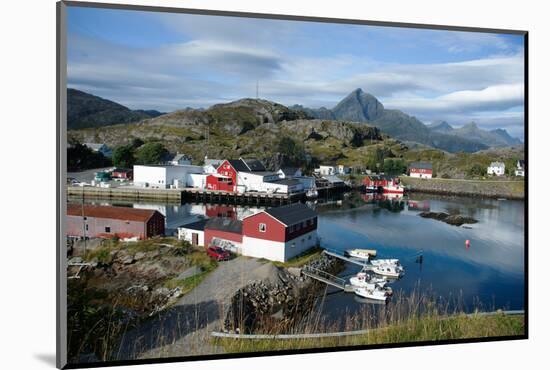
[388,261]
[364,280]
[374,294]
[363,254]
[390,270]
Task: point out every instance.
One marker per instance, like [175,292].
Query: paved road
[184,329]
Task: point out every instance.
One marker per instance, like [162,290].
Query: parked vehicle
[218,253]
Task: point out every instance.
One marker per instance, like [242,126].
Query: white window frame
[260,227]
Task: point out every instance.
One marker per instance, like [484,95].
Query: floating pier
[327,278]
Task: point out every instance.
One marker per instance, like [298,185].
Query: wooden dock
[182,195]
[327,278]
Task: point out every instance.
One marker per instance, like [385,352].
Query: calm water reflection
[490,270]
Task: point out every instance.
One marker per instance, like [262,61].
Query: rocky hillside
[86,110]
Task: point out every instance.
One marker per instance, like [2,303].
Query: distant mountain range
[86,110]
[360,106]
[89,111]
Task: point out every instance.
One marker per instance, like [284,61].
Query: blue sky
[162,61]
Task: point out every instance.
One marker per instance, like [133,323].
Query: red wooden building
[107,222]
[122,174]
[421,170]
[221,183]
[375,182]
[280,233]
[225,232]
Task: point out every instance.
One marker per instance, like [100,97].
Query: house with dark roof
[520,168]
[193,232]
[250,175]
[179,159]
[422,170]
[280,233]
[91,221]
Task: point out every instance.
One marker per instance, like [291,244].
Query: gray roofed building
[197,225]
[421,165]
[332,179]
[213,162]
[253,164]
[292,214]
[225,224]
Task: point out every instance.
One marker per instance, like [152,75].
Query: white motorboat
[375,294]
[364,280]
[364,254]
[390,270]
[392,261]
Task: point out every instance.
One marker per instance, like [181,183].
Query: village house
[165,176]
[193,232]
[520,168]
[280,233]
[100,148]
[211,165]
[326,170]
[179,160]
[250,175]
[93,221]
[276,234]
[343,170]
[122,174]
[496,168]
[422,170]
[376,182]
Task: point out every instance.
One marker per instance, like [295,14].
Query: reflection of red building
[419,205]
[217,210]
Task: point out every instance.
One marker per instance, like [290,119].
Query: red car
[218,253]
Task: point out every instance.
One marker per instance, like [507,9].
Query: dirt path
[184,329]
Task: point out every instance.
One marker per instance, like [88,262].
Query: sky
[164,61]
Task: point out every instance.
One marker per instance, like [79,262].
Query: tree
[80,157]
[293,150]
[394,166]
[476,170]
[150,153]
[124,156]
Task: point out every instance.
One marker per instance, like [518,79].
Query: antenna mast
[257,89]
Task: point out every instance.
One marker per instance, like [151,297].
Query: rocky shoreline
[263,306]
[494,189]
[455,220]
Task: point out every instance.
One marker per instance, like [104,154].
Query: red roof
[116,213]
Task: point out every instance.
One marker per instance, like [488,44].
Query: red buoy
[467,243]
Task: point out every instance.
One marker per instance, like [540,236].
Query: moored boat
[364,254]
[393,188]
[312,194]
[376,294]
[364,280]
[389,270]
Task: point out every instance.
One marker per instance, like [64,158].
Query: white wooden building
[165,177]
[496,168]
[193,232]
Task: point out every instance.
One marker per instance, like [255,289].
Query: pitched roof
[238,165]
[421,165]
[197,225]
[253,164]
[496,164]
[289,171]
[213,162]
[179,156]
[225,224]
[292,213]
[94,146]
[110,212]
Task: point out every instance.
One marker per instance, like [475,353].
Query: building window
[107,229]
[86,227]
[293,245]
[262,228]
